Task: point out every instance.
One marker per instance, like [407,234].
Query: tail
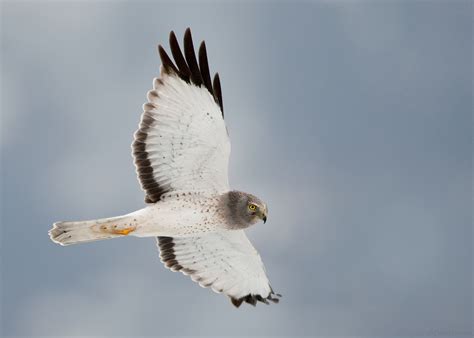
[66,233]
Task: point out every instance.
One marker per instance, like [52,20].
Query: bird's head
[255,210]
[245,209]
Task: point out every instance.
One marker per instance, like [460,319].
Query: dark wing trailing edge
[187,67]
[142,160]
[153,156]
[222,262]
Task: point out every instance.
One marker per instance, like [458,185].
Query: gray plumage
[237,206]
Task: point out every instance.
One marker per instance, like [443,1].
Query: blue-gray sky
[352,120]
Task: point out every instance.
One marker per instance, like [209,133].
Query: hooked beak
[264,214]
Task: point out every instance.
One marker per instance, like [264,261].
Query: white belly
[180,216]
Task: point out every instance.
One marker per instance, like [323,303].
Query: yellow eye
[252,207]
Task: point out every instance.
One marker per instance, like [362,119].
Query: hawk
[181,154]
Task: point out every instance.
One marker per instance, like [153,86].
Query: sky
[351,120]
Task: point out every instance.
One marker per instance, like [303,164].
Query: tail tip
[58,234]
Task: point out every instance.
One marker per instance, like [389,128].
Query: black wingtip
[218,92]
[181,64]
[166,61]
[253,299]
[187,31]
[204,66]
[187,67]
[191,58]
[236,301]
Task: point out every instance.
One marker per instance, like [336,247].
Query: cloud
[350,121]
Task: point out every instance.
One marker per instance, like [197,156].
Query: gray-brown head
[243,209]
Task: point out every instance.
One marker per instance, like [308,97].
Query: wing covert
[182,142]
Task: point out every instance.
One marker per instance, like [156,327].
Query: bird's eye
[252,207]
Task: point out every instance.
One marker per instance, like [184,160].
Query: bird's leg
[116,229]
[121,227]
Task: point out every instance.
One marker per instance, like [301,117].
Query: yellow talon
[124,232]
[112,229]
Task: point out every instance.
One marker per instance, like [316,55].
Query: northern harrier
[181,152]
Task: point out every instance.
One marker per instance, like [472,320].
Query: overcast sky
[352,120]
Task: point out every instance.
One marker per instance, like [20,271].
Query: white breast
[183,214]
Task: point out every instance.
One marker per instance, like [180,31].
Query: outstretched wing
[224,261]
[182,142]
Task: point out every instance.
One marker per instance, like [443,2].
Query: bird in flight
[181,154]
